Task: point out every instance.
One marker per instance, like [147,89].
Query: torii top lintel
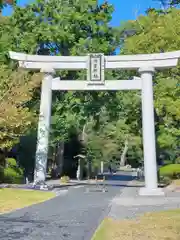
[157,60]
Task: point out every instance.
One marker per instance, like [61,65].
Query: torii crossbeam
[95,65]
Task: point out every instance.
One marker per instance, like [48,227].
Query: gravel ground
[73,215]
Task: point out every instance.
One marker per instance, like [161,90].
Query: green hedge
[178,160]
[1,174]
[12,176]
[11,173]
[172,171]
[11,162]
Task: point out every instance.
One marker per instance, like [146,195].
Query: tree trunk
[60,158]
[102,167]
[89,168]
[123,155]
[83,133]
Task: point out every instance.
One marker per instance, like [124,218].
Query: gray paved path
[71,216]
[128,204]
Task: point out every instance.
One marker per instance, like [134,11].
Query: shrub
[165,180]
[172,171]
[12,176]
[11,162]
[1,174]
[12,173]
[64,179]
[178,160]
[167,162]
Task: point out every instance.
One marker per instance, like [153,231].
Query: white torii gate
[95,65]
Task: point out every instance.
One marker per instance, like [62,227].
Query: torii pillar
[43,127]
[149,138]
[95,64]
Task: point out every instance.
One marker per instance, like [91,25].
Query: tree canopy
[161,33]
[107,123]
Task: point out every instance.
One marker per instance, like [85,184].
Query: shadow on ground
[115,180]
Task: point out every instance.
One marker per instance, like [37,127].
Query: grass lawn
[152,226]
[11,199]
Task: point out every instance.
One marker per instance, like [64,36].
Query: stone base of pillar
[151,192]
[40,183]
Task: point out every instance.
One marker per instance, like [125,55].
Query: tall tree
[16,90]
[160,33]
[73,28]
[77,28]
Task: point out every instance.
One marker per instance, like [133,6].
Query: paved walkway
[129,204]
[76,213]
[73,215]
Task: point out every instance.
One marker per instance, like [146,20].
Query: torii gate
[95,65]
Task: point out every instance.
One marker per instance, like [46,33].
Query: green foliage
[26,152]
[73,28]
[37,29]
[17,88]
[12,176]
[177,160]
[64,179]
[172,171]
[12,173]
[11,162]
[108,142]
[104,121]
[16,118]
[156,33]
[1,174]
[165,180]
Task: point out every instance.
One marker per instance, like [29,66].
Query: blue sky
[124,10]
